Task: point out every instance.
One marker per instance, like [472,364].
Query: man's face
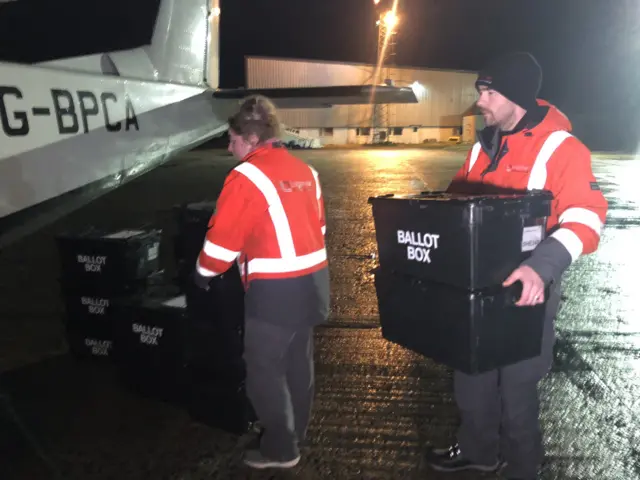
[239,146]
[497,110]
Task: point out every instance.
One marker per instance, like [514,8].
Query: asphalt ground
[378,405]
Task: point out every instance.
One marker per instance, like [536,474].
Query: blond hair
[257,116]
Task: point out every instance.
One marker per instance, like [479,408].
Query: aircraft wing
[326,97]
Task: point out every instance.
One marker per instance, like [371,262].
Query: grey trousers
[500,409]
[280,384]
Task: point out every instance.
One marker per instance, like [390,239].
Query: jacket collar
[265,147]
[491,137]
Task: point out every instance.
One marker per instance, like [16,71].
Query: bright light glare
[379,155]
[376,2]
[215,11]
[390,19]
[419,89]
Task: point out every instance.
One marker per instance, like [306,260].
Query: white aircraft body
[73,129]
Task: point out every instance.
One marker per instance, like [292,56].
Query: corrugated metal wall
[446,95]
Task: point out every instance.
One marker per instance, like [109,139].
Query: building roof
[311,60]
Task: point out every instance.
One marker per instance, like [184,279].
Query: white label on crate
[92,263]
[179,302]
[148,335]
[124,234]
[152,253]
[96,306]
[99,348]
[531,237]
[419,245]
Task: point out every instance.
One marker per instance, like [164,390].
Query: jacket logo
[518,168]
[292,185]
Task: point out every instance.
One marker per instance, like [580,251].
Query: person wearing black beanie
[526,145]
[517,76]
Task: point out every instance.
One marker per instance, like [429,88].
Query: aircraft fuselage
[70,134]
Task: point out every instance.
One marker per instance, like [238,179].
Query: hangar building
[445,108]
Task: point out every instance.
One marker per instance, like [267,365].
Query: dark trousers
[280,384]
[500,409]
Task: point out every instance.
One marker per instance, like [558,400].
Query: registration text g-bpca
[419,245]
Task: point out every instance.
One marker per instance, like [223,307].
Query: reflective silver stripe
[583,216]
[538,175]
[205,272]
[537,181]
[219,253]
[289,261]
[318,194]
[276,210]
[282,265]
[475,153]
[571,242]
[315,177]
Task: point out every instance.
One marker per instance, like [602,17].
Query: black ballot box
[186,349]
[194,215]
[216,323]
[443,259]
[192,220]
[215,340]
[119,260]
[222,304]
[149,344]
[99,268]
[90,340]
[470,331]
[215,334]
[152,328]
[467,241]
[219,399]
[89,320]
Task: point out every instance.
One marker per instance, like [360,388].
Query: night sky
[587,48]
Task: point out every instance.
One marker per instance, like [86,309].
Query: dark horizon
[584,48]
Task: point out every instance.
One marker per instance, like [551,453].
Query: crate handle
[386,195]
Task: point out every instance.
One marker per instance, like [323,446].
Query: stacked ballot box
[168,339]
[184,345]
[192,220]
[99,269]
[216,333]
[443,258]
[149,337]
[186,348]
[216,347]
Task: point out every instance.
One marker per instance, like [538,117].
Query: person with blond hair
[270,218]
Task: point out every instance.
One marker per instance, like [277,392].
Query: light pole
[387,28]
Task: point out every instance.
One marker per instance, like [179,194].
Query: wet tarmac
[378,406]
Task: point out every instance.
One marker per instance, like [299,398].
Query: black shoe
[451,460]
[254,442]
[254,459]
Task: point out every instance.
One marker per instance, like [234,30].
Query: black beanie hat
[517,76]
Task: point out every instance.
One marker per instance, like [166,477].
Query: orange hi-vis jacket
[269,217]
[544,156]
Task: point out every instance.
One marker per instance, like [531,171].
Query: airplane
[73,129]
